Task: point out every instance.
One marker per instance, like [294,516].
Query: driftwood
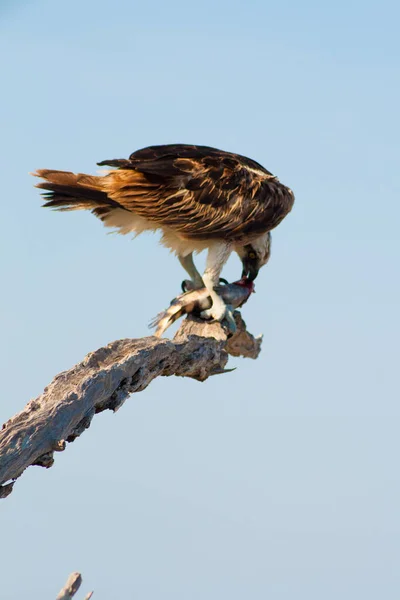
[103,380]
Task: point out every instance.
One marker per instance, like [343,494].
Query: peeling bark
[104,380]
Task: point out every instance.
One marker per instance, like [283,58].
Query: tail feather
[74,191]
[181,305]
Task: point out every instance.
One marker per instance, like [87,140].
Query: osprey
[199,197]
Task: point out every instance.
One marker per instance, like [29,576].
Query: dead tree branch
[103,380]
[69,590]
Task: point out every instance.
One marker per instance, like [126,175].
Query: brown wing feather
[199,192]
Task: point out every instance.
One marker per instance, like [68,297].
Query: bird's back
[198,192]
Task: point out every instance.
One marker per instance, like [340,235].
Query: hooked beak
[250,269]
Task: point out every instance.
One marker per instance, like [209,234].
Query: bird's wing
[199,192]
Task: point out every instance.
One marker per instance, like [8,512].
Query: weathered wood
[103,380]
[71,587]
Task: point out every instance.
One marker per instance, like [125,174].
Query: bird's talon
[187,285]
[207,316]
[229,321]
[224,316]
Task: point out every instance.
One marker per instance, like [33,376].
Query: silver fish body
[195,301]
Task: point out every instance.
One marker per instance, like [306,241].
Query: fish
[195,301]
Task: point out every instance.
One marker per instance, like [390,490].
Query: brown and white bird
[199,197]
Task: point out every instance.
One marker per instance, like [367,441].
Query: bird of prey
[199,197]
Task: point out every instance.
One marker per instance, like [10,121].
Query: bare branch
[71,587]
[103,380]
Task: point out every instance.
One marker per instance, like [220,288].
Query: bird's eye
[252,255]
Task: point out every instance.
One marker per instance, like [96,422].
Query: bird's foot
[188,285]
[221,312]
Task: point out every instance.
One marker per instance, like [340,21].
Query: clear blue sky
[280,480]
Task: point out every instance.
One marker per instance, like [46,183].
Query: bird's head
[255,255]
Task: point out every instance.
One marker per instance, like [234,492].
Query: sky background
[281,479]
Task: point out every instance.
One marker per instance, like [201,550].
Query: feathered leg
[217,256]
[196,282]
